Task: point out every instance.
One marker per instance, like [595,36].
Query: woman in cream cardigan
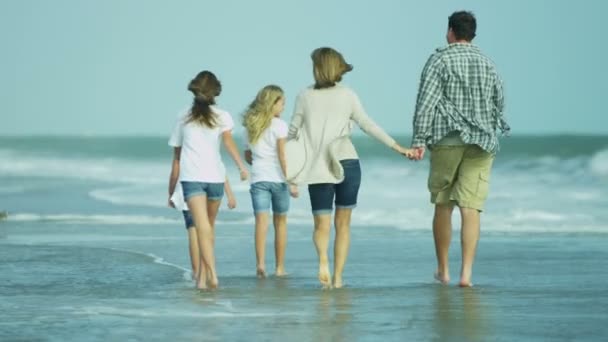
[322,123]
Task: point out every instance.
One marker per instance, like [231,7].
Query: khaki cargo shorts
[460,175]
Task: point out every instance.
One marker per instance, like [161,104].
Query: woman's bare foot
[442,277]
[338,282]
[260,273]
[324,275]
[280,272]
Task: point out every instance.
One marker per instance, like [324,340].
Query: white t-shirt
[266,166]
[200,159]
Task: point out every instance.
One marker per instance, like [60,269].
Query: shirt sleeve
[367,124]
[227,124]
[499,103]
[281,131]
[177,137]
[429,95]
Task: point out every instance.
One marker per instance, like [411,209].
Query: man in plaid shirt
[458,110]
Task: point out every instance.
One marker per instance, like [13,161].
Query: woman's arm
[233,151]
[174,173]
[293,189]
[372,129]
[229,194]
[297,119]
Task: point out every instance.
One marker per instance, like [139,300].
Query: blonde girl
[266,134]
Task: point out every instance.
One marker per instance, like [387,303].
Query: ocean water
[89,251]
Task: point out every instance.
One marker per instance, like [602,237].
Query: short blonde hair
[328,67]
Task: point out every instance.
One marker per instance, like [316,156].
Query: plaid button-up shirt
[460,90]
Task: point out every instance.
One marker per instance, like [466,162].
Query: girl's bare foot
[260,273]
[213,283]
[201,283]
[324,275]
[442,277]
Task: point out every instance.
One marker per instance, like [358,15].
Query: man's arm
[499,102]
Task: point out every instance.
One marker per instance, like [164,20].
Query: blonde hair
[258,115]
[205,87]
[328,67]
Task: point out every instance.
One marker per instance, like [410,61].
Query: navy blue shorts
[322,195]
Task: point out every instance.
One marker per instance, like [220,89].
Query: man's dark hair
[463,24]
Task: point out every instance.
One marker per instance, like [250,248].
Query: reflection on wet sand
[459,315]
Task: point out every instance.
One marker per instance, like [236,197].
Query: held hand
[244,174]
[407,152]
[293,191]
[170,203]
[419,153]
[231,202]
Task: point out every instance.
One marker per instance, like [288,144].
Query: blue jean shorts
[188,220]
[213,191]
[263,194]
[345,194]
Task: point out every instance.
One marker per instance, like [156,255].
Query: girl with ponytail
[198,166]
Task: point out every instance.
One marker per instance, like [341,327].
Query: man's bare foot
[324,275]
[260,273]
[443,278]
[280,272]
[338,282]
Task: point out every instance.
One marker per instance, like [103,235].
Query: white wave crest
[93,219]
[599,163]
[100,169]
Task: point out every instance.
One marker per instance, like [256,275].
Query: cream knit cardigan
[321,124]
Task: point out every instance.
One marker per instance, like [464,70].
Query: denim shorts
[263,194]
[188,220]
[345,194]
[213,191]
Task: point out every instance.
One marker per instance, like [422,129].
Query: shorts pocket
[483,186]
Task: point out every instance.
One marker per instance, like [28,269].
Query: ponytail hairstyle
[258,115]
[205,87]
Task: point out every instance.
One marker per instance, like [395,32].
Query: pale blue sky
[121,67]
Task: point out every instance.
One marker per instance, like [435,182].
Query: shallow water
[88,252]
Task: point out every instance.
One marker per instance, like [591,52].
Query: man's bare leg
[442,233]
[469,237]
